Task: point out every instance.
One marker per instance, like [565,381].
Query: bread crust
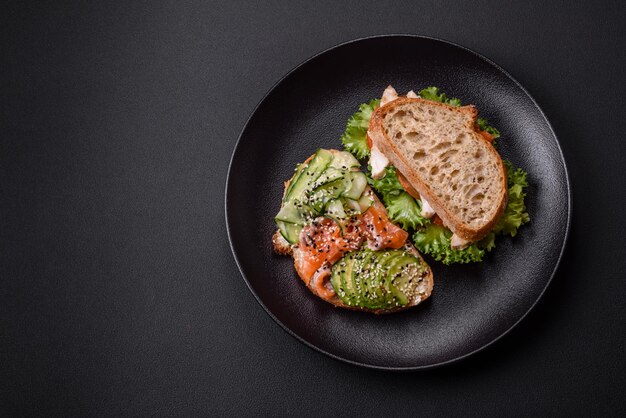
[402,164]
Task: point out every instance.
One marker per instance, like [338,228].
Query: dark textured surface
[472,305]
[119,294]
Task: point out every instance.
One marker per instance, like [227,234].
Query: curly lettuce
[433,94]
[434,240]
[402,208]
[515,214]
[489,242]
[354,138]
[388,184]
[484,126]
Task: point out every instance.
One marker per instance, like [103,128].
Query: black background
[118,291]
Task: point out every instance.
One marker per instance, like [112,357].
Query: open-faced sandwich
[345,248]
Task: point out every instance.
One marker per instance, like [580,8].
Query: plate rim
[374,366]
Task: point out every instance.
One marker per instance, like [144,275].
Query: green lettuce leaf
[488,243]
[354,138]
[403,209]
[389,184]
[434,240]
[484,126]
[515,214]
[433,93]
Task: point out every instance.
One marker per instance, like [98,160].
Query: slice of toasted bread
[319,283]
[440,152]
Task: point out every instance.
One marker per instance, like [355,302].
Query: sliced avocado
[308,175]
[369,295]
[363,282]
[382,298]
[392,279]
[401,280]
[372,296]
[335,277]
[356,277]
[376,279]
[386,296]
[349,293]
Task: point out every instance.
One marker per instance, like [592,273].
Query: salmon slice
[380,232]
[324,242]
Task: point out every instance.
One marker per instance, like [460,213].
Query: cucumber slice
[355,185]
[365,202]
[352,206]
[334,210]
[316,187]
[344,160]
[291,232]
[294,180]
[290,213]
[308,175]
[296,213]
[324,194]
[329,175]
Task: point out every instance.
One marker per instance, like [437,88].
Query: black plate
[472,305]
